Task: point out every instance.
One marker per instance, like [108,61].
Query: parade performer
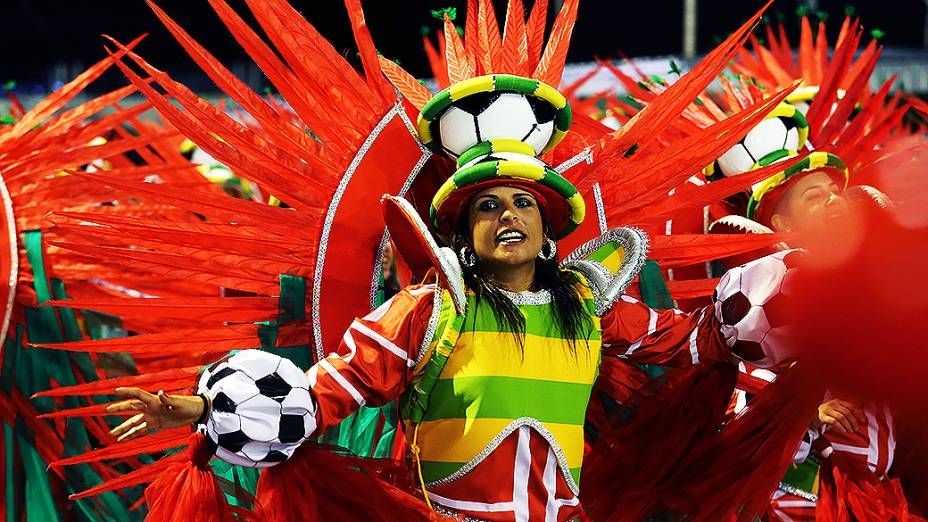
[493,362]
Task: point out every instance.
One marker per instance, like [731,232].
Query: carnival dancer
[494,363]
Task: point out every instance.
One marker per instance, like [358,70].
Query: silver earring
[467,256]
[552,250]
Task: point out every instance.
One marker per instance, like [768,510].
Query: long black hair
[570,311]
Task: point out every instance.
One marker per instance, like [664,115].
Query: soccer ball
[262,409]
[491,115]
[772,134]
[751,303]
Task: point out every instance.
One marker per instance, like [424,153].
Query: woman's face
[506,227]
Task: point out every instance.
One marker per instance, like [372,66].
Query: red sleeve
[373,362]
[636,331]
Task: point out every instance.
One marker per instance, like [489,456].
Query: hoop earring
[467,256]
[552,250]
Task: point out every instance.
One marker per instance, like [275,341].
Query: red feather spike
[408,86]
[62,96]
[160,441]
[172,379]
[515,44]
[488,37]
[551,65]
[95,410]
[142,475]
[471,44]
[838,120]
[857,128]
[821,53]
[439,71]
[535,31]
[459,68]
[688,249]
[218,309]
[665,108]
[362,36]
[238,91]
[821,106]
[807,54]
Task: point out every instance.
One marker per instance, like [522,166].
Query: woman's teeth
[510,237]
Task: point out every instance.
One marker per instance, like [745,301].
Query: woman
[500,434]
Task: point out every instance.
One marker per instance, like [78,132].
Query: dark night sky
[39,34]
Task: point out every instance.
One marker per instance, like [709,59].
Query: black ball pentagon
[748,350]
[221,374]
[222,402]
[273,386]
[274,456]
[789,123]
[290,428]
[233,441]
[778,310]
[544,111]
[734,308]
[477,102]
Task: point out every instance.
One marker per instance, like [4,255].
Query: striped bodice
[489,381]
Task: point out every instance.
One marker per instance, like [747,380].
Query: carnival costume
[493,436]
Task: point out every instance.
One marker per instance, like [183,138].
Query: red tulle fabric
[187,490]
[624,469]
[847,497]
[318,485]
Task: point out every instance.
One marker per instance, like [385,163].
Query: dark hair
[570,310]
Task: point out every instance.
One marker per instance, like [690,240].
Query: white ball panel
[762,278]
[297,402]
[220,422]
[754,325]
[260,416]
[255,363]
[792,139]
[509,116]
[292,374]
[458,132]
[256,451]
[766,137]
[541,136]
[736,160]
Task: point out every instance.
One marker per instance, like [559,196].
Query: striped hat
[767,193]
[495,126]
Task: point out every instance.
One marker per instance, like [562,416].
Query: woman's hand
[842,416]
[157,412]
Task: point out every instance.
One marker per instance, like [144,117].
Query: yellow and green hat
[768,192]
[774,133]
[495,126]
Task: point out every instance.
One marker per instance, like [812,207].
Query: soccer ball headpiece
[495,126]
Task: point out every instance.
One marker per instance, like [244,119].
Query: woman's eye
[487,205]
[523,202]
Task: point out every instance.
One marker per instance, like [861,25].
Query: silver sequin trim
[527,298]
[498,439]
[333,207]
[607,292]
[433,324]
[378,268]
[793,490]
[600,208]
[586,155]
[452,513]
[14,258]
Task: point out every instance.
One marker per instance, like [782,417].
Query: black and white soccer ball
[752,303]
[493,115]
[261,408]
[770,135]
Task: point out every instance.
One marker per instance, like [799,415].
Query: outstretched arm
[261,397]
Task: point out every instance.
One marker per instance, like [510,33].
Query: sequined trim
[333,207]
[378,268]
[584,156]
[14,258]
[456,515]
[600,208]
[606,293]
[498,439]
[527,298]
[793,490]
[433,325]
